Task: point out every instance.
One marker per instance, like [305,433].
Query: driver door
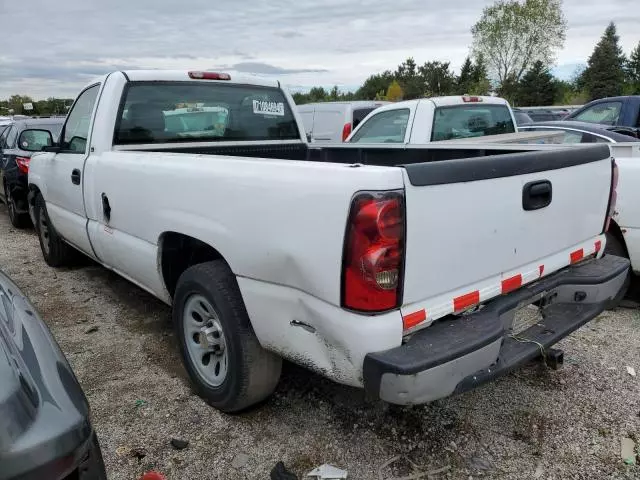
[64,173]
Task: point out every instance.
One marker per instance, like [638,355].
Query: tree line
[513,50]
[14,105]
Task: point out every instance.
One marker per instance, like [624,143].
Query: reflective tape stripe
[467,300]
[413,319]
[512,283]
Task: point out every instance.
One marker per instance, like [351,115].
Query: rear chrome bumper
[457,354]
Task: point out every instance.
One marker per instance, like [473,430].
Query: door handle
[106,208]
[75,176]
[537,195]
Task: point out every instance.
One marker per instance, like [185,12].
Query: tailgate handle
[536,195]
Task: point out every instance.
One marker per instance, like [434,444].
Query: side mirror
[35,140]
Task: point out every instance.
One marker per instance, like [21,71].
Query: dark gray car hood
[44,415]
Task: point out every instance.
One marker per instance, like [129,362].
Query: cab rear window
[465,121]
[171,112]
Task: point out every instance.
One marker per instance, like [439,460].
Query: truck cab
[435,119]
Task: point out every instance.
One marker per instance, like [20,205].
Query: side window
[3,137]
[76,130]
[359,114]
[605,112]
[384,127]
[11,137]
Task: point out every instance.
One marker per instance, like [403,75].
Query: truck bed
[387,156]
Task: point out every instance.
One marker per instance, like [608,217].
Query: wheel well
[179,252]
[616,231]
[32,198]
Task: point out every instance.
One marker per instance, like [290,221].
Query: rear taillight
[374,252]
[468,99]
[23,164]
[209,76]
[346,131]
[613,195]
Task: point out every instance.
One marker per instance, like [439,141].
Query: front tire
[18,220]
[615,247]
[55,251]
[221,353]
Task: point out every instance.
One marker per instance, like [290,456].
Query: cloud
[289,34]
[266,69]
[307,42]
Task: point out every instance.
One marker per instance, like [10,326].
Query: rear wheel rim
[205,340]
[43,230]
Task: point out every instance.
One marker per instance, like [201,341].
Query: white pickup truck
[394,268]
[435,119]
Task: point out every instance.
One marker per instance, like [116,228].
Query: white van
[332,122]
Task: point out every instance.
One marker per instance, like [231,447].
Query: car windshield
[183,112]
[464,121]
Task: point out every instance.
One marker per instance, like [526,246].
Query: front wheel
[55,251]
[18,220]
[615,247]
[222,355]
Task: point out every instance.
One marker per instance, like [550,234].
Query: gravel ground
[535,423]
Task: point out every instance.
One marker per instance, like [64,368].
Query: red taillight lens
[346,131]
[23,164]
[374,252]
[466,99]
[613,196]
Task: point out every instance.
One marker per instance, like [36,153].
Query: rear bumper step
[457,354]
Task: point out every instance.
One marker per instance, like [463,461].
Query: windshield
[476,120]
[186,111]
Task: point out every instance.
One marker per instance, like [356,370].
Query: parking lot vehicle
[434,119]
[623,237]
[332,122]
[16,148]
[615,111]
[45,429]
[397,268]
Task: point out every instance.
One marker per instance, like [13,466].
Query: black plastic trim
[455,337]
[498,166]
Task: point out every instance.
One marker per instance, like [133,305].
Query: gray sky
[53,47]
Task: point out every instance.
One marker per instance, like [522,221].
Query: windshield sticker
[262,107]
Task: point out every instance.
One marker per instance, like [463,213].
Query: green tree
[537,87]
[465,80]
[633,71]
[373,85]
[394,92]
[510,90]
[481,84]
[605,72]
[410,80]
[512,36]
[437,79]
[16,103]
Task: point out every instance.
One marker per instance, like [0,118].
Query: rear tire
[55,251]
[208,297]
[18,220]
[615,247]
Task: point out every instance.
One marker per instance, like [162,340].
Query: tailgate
[479,227]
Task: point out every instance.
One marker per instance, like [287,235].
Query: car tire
[615,247]
[18,220]
[251,372]
[56,252]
